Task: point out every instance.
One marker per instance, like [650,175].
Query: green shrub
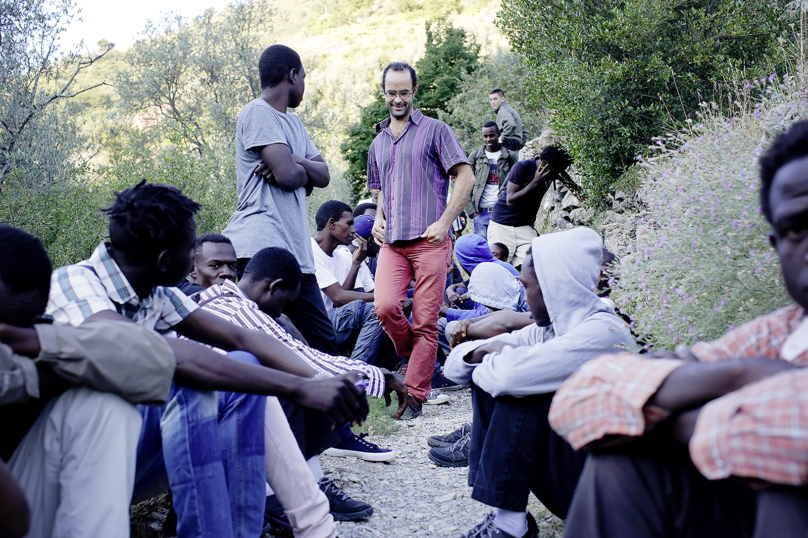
[615,72]
[701,262]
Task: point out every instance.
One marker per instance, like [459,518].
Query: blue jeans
[482,221]
[209,447]
[358,319]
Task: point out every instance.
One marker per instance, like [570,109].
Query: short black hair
[608,258]
[24,264]
[148,218]
[400,66]
[361,208]
[788,146]
[490,124]
[273,263]
[497,90]
[503,248]
[275,64]
[210,238]
[332,209]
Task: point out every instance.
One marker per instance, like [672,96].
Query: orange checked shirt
[759,431]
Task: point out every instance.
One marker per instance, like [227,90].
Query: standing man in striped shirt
[411,160]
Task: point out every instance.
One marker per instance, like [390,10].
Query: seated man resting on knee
[209,446]
[513,450]
[710,440]
[345,281]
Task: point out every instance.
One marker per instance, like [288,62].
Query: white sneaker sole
[442,399]
[367,456]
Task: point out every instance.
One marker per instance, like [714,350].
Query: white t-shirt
[491,190]
[334,269]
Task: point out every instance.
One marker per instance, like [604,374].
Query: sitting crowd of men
[120,379]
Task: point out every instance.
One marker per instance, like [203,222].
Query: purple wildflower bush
[700,262]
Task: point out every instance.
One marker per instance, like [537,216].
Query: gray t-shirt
[269,216]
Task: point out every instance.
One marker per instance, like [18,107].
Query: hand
[474,215]
[391,383]
[361,251]
[337,397]
[491,347]
[460,332]
[542,172]
[453,297]
[406,307]
[436,232]
[21,340]
[263,170]
[378,229]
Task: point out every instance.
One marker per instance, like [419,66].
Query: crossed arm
[290,171]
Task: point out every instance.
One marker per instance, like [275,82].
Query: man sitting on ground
[500,252]
[513,450]
[152,233]
[718,429]
[69,435]
[345,281]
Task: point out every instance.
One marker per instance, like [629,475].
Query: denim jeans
[209,447]
[481,222]
[358,319]
[514,451]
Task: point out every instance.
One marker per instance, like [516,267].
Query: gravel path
[412,496]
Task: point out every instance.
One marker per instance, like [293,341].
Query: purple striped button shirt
[413,174]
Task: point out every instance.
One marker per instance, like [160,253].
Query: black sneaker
[488,529]
[401,373]
[456,455]
[413,410]
[275,520]
[440,382]
[343,508]
[450,438]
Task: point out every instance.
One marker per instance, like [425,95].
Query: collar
[112,278]
[415,117]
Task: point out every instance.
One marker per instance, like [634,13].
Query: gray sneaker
[456,455]
[487,529]
[450,438]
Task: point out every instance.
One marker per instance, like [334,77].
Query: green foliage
[614,72]
[470,108]
[195,78]
[450,54]
[701,262]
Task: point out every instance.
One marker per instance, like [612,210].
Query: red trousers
[397,266]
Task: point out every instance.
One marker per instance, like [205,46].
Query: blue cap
[363,224]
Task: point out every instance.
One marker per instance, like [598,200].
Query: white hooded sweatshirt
[582,327]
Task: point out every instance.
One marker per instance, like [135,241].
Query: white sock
[514,523]
[270,491]
[316,470]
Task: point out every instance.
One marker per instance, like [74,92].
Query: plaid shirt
[759,431]
[81,290]
[231,304]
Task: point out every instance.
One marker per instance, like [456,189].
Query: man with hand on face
[491,164]
[411,160]
[513,450]
[345,281]
[710,440]
[514,215]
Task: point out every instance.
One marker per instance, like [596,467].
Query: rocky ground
[411,495]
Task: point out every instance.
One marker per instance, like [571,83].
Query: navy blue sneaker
[275,521]
[355,446]
[343,508]
[440,382]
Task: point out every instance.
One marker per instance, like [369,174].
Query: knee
[386,309]
[244,356]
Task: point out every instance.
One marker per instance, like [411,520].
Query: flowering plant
[701,263]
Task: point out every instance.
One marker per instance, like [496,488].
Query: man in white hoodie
[514,376]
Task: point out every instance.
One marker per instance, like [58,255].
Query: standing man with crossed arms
[411,160]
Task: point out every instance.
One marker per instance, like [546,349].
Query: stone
[570,202]
[446,498]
